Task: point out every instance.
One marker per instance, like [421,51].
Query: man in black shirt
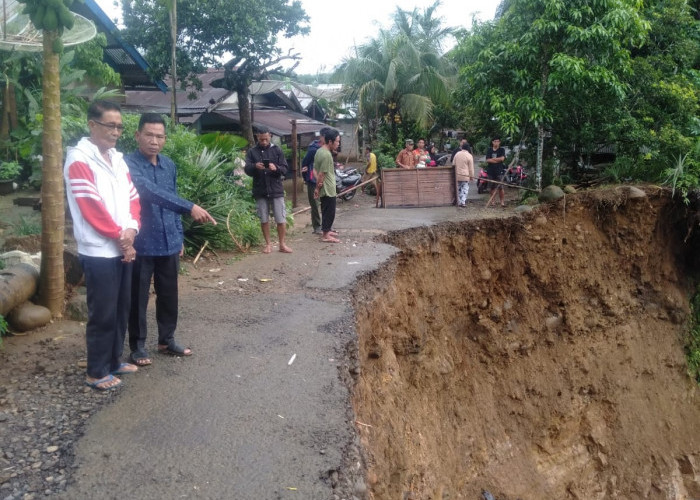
[495,156]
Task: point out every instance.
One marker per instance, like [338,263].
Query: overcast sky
[338,26]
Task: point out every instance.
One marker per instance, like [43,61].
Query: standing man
[105,209]
[309,176]
[462,142]
[495,156]
[266,164]
[371,167]
[325,187]
[405,158]
[419,150]
[160,243]
[464,170]
[370,171]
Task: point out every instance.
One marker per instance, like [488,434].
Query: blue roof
[120,55]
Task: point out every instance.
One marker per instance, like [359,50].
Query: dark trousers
[327,212]
[108,284]
[313,203]
[164,271]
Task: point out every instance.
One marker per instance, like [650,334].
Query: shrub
[26,227]
[692,344]
[10,170]
[4,329]
[385,161]
[205,177]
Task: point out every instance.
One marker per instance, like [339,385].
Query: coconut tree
[400,75]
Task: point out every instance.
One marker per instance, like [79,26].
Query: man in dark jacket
[307,173]
[266,164]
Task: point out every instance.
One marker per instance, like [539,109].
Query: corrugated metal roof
[121,56]
[277,120]
[159,102]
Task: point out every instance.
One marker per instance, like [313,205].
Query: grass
[3,328]
[692,345]
[26,226]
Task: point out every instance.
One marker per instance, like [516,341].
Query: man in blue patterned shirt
[159,244]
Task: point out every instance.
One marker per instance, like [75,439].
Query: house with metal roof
[120,55]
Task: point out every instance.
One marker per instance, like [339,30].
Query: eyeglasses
[113,126]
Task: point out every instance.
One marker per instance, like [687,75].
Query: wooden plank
[423,187]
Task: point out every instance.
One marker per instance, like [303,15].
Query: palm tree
[399,76]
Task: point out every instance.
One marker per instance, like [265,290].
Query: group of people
[318,172]
[463,161]
[127,224]
[419,156]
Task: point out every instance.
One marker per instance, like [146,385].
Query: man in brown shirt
[406,159]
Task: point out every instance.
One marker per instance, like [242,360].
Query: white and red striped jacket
[102,199]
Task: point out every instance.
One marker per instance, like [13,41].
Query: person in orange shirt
[406,158]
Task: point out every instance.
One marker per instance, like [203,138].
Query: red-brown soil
[533,358]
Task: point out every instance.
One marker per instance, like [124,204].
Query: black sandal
[174,349]
[140,357]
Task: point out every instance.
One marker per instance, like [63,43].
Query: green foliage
[544,63]
[399,77]
[205,35]
[4,328]
[24,71]
[223,142]
[385,161]
[244,222]
[684,176]
[692,343]
[205,178]
[27,226]
[10,170]
[88,56]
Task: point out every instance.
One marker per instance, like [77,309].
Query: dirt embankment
[534,358]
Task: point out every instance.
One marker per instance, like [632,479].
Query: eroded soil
[535,357]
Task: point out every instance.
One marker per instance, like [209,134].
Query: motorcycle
[345,180]
[482,183]
[443,160]
[515,176]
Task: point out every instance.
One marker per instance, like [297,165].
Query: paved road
[236,420]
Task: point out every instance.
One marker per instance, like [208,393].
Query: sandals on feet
[125,368]
[105,383]
[140,358]
[174,349]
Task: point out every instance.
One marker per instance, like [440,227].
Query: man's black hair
[150,118]
[97,108]
[331,135]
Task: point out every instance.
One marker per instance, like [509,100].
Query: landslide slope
[536,357]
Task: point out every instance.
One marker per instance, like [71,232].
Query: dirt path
[237,420]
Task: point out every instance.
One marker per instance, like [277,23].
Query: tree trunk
[51,276]
[8,118]
[172,14]
[540,152]
[244,113]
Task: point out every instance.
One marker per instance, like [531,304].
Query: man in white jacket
[105,209]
